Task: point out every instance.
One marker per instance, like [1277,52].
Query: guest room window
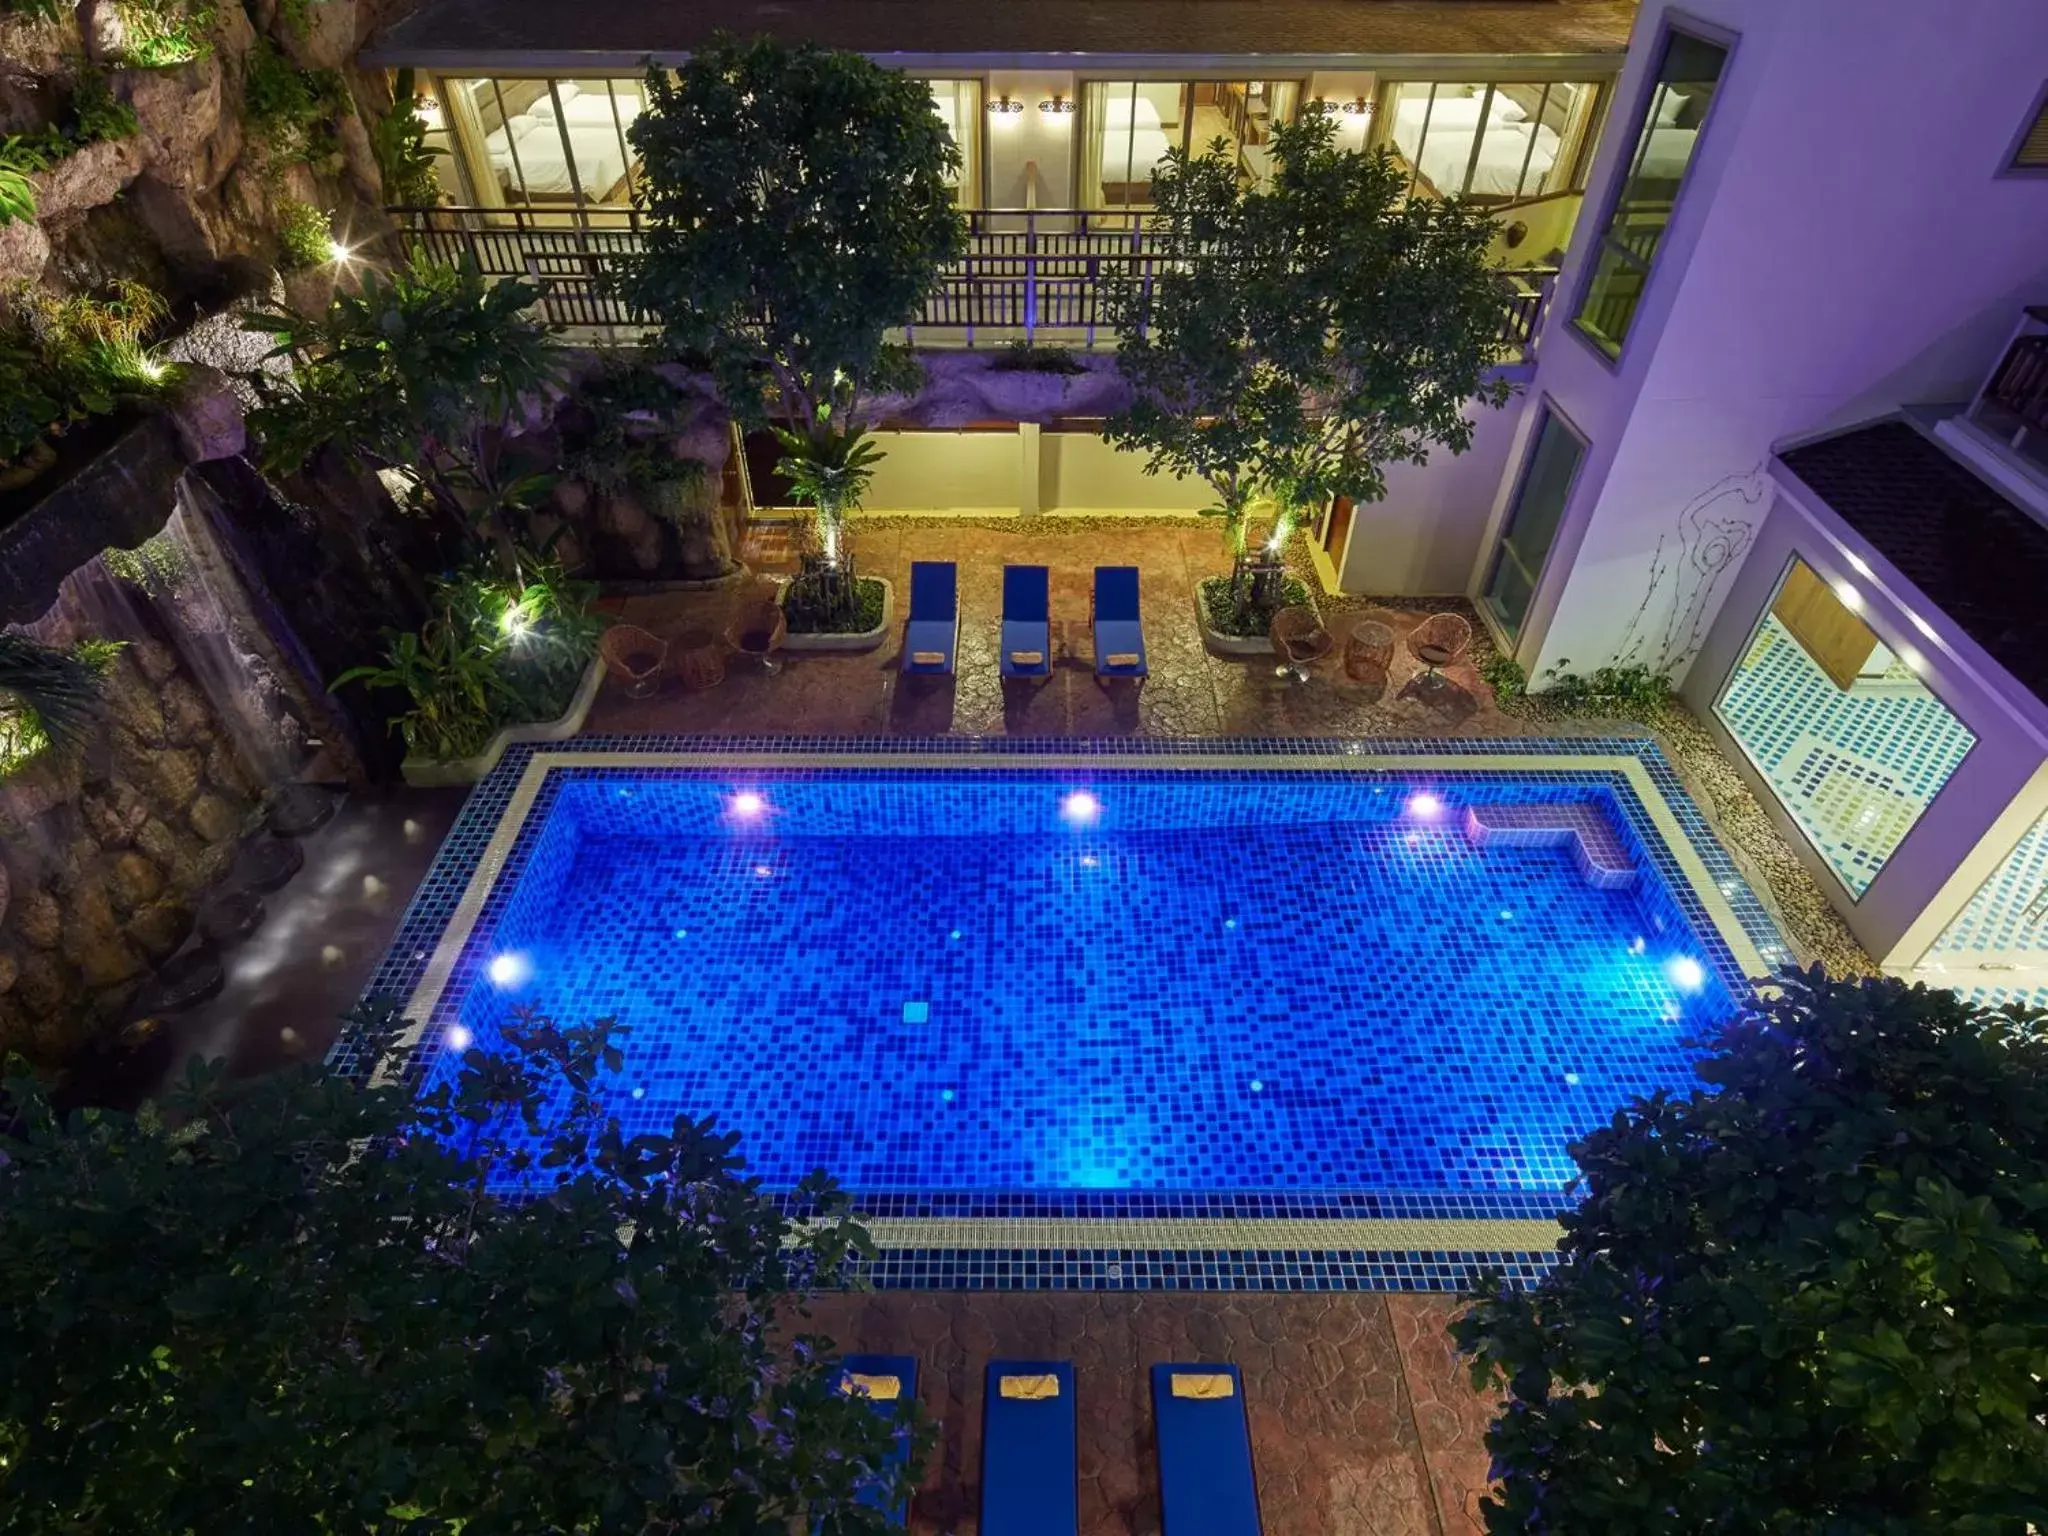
[1493,142]
[1681,92]
[2031,152]
[958,104]
[547,144]
[1532,521]
[1129,125]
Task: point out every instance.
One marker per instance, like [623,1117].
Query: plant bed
[441,773]
[1221,634]
[877,611]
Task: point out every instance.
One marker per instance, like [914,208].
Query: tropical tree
[1811,1297]
[422,372]
[302,1304]
[798,208]
[1291,340]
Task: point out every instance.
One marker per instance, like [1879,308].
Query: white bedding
[1502,152]
[1146,147]
[541,162]
[1668,152]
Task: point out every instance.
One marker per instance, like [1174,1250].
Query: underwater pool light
[1686,973]
[460,1039]
[747,805]
[1081,808]
[508,970]
[1425,804]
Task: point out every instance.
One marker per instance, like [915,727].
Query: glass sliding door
[546,147]
[1493,142]
[1532,521]
[958,104]
[1682,91]
[1129,125]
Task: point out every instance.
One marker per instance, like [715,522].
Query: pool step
[1597,847]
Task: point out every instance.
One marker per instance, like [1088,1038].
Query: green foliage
[494,653]
[292,112]
[297,14]
[421,371]
[829,470]
[36,10]
[1300,336]
[97,113]
[810,609]
[160,34]
[399,141]
[305,235]
[292,1303]
[632,413]
[1505,676]
[797,209]
[1229,614]
[64,357]
[48,697]
[1811,1297]
[1028,357]
[1630,689]
[158,566]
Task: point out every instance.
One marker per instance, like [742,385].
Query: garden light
[338,253]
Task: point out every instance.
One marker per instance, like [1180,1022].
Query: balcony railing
[1031,275]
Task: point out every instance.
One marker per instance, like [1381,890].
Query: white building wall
[1421,540]
[1844,244]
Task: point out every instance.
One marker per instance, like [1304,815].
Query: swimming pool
[1322,981]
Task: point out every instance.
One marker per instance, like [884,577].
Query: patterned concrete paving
[1362,1420]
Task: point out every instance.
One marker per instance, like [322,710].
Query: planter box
[1228,645]
[441,773]
[864,640]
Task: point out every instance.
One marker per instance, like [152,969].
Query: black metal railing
[1026,273]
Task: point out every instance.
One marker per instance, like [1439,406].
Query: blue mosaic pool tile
[1119,1269]
[550,833]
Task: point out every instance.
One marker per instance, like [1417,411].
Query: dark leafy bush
[298,1304]
[1025,357]
[1810,1297]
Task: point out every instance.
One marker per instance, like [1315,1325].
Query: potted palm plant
[828,605]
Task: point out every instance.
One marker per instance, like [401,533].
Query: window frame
[1701,31]
[1572,176]
[1746,762]
[1547,410]
[2036,119]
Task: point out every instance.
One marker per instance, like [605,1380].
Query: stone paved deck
[1362,1421]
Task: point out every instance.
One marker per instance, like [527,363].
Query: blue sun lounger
[1030,1469]
[888,1381]
[1027,621]
[1119,633]
[1205,1452]
[931,633]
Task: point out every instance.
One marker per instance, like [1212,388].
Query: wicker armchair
[1441,640]
[1299,639]
[758,630]
[635,657]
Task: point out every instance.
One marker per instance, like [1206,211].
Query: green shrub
[92,347]
[97,113]
[291,111]
[160,34]
[1808,1297]
[28,410]
[808,616]
[1504,675]
[305,236]
[399,141]
[494,653]
[1624,689]
[1025,357]
[1220,606]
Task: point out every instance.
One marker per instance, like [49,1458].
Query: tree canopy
[798,207]
[1811,1297]
[300,1304]
[1293,339]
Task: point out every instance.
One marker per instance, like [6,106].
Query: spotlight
[340,254]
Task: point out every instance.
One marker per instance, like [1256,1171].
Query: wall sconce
[428,110]
[1054,106]
[1003,106]
[1357,107]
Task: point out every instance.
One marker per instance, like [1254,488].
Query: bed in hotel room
[1133,129]
[1446,148]
[535,139]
